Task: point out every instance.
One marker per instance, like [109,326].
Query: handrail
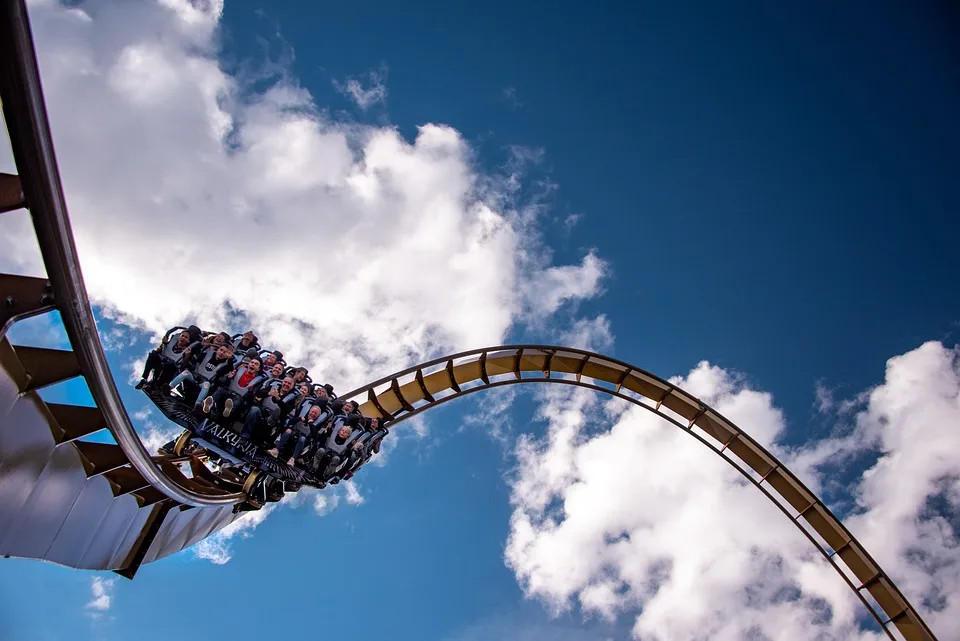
[33,150]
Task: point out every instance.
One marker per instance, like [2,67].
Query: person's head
[269,360]
[224,352]
[305,390]
[249,337]
[374,423]
[350,406]
[299,374]
[183,339]
[344,432]
[313,414]
[320,392]
[217,340]
[253,366]
[286,386]
[277,370]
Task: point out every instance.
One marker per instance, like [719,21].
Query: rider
[366,445]
[335,449]
[305,429]
[212,364]
[163,361]
[248,340]
[240,386]
[271,404]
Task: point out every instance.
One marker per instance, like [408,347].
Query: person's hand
[186,353]
[232,374]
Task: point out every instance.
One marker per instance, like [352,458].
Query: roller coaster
[85,503]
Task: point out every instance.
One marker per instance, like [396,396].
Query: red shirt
[245,378]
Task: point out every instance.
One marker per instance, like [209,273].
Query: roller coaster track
[84,503]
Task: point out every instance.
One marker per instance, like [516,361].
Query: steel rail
[451,377]
[29,129]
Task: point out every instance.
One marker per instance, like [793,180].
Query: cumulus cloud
[101,590]
[217,548]
[353,495]
[197,196]
[366,91]
[492,414]
[824,396]
[354,250]
[592,334]
[640,521]
[154,433]
[325,502]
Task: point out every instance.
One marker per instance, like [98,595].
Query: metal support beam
[46,367]
[76,421]
[11,193]
[22,297]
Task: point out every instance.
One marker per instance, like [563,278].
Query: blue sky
[769,189]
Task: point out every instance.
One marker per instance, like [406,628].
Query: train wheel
[251,481]
[274,490]
[182,443]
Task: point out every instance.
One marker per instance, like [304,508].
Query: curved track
[63,498]
[421,387]
[25,114]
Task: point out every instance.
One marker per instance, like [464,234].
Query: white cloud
[571,221]
[353,496]
[365,94]
[824,394]
[325,502]
[214,549]
[492,414]
[592,334]
[101,594]
[641,521]
[350,248]
[217,548]
[157,434]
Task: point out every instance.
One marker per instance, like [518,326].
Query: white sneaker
[227,408]
[207,404]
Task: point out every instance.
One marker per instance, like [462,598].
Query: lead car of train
[250,421]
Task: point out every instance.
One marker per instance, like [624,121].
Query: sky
[757,201]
